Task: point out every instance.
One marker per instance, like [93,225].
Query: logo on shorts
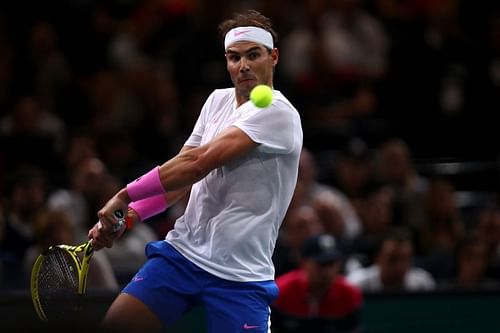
[249,327]
[137,278]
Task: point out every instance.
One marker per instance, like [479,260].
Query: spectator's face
[394,260]
[440,199]
[395,163]
[29,197]
[352,173]
[250,64]
[489,225]
[300,224]
[328,209]
[376,211]
[90,176]
[320,275]
[472,263]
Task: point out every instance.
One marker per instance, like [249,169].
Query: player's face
[250,64]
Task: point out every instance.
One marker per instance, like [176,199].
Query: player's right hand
[104,236]
[107,230]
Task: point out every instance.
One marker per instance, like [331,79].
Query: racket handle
[120,217]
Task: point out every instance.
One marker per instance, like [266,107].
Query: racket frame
[81,265]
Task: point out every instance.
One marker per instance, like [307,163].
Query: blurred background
[398,99]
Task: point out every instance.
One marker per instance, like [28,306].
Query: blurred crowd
[396,97]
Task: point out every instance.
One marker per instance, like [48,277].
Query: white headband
[250,34]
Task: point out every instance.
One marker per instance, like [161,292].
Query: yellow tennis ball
[261,95]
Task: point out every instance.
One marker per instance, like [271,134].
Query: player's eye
[253,55]
[233,57]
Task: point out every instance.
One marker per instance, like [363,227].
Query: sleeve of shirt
[276,128]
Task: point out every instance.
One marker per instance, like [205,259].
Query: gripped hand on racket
[111,224]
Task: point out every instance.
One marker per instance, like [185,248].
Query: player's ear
[275,56]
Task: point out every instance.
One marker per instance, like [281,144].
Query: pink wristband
[147,185]
[148,207]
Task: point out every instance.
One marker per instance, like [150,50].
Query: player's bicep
[172,197]
[194,163]
[226,147]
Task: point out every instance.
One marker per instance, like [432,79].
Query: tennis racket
[59,278]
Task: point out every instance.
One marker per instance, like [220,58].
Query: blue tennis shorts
[171,285]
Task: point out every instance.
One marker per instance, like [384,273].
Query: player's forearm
[172,179]
[190,165]
[184,169]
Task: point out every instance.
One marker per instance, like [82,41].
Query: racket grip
[120,218]
[118,226]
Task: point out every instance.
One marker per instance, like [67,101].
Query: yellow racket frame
[82,267]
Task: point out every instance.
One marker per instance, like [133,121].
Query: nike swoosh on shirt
[249,327]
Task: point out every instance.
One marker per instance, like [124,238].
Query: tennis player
[240,165]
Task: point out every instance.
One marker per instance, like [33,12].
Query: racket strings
[58,282]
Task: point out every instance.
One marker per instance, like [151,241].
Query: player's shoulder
[222,93]
[220,97]
[280,97]
[282,102]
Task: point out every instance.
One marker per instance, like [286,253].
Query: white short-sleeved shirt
[368,279]
[233,215]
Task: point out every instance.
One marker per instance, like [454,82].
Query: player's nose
[244,65]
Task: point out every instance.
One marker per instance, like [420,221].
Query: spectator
[112,106]
[469,271]
[394,166]
[299,224]
[393,269]
[339,39]
[329,208]
[46,65]
[441,223]
[336,52]
[25,199]
[308,177]
[81,147]
[488,228]
[32,134]
[88,178]
[328,200]
[375,209]
[352,168]
[317,290]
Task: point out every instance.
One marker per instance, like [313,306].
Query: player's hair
[250,17]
